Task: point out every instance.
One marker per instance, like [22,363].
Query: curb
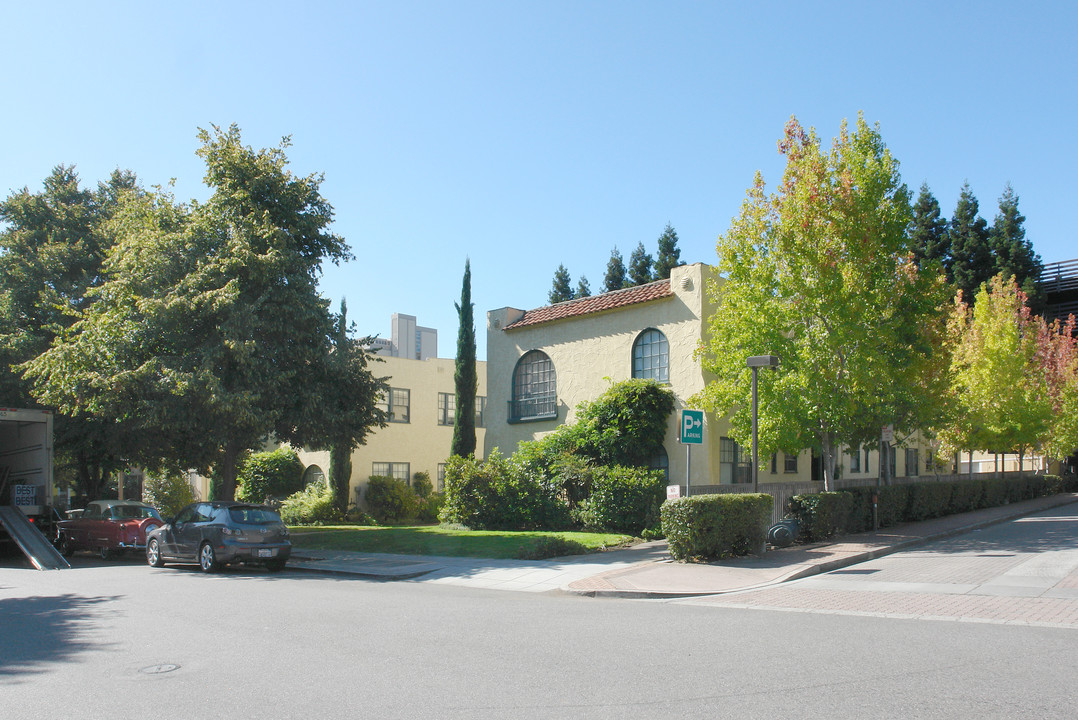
[829,565]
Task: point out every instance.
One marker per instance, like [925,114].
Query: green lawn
[437,540]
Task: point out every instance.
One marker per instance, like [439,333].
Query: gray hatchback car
[217,533]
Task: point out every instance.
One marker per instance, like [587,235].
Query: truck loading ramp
[34,545]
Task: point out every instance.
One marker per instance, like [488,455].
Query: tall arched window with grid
[651,356]
[535,388]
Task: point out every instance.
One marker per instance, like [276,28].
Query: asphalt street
[120,640]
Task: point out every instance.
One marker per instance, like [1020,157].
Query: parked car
[108,527]
[218,533]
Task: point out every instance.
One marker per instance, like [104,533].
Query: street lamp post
[756,362]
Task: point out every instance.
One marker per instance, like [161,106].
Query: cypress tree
[1014,255]
[669,253]
[615,272]
[340,452]
[971,257]
[640,266]
[561,290]
[928,237]
[465,376]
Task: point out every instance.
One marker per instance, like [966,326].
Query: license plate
[267,552]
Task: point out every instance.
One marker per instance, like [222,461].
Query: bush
[264,476]
[422,485]
[927,500]
[312,505]
[391,501]
[496,494]
[624,499]
[626,424]
[822,515]
[168,492]
[891,508]
[429,507]
[709,527]
[966,495]
[550,547]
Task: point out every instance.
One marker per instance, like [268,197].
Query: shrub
[549,547]
[168,492]
[429,507]
[822,515]
[708,527]
[422,485]
[927,500]
[626,424]
[267,475]
[995,493]
[891,507]
[313,505]
[390,500]
[966,495]
[624,499]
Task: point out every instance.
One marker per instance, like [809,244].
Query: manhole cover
[159,669]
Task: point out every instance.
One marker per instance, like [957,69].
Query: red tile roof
[594,304]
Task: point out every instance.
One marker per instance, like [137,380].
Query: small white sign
[673,492]
[888,435]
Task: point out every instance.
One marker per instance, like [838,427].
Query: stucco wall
[421,442]
[591,351]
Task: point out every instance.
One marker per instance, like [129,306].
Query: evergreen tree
[640,266]
[615,272]
[669,253]
[561,289]
[583,289]
[971,256]
[340,450]
[928,237]
[465,377]
[1014,255]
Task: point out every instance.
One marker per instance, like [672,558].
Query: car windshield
[253,515]
[127,512]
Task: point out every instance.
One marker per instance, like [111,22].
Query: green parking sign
[692,427]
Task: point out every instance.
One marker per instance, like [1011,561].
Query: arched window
[651,356]
[661,461]
[313,474]
[535,388]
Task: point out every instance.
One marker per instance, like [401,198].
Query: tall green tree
[818,274]
[640,266]
[52,248]
[669,256]
[928,235]
[465,377]
[561,290]
[208,334]
[1013,252]
[971,255]
[583,289]
[998,392]
[615,278]
[1057,347]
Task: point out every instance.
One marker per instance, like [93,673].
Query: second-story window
[397,405]
[651,356]
[535,388]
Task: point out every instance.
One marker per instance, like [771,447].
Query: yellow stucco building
[542,363]
[421,405]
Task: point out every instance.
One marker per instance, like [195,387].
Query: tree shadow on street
[40,631]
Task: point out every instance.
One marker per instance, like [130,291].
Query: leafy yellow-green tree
[999,392]
[821,274]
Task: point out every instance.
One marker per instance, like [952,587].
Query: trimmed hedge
[390,500]
[710,527]
[624,499]
[822,515]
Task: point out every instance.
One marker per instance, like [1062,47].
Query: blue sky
[527,134]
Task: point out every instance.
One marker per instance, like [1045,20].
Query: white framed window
[651,356]
[397,405]
[396,470]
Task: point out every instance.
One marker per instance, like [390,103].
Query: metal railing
[534,407]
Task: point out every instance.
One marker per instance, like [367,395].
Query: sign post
[692,433]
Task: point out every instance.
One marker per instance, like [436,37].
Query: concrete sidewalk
[647,571]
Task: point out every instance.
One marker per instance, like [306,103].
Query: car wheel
[275,565]
[207,558]
[105,553]
[66,547]
[153,554]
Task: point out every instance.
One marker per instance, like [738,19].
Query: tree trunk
[228,470]
[828,456]
[340,474]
